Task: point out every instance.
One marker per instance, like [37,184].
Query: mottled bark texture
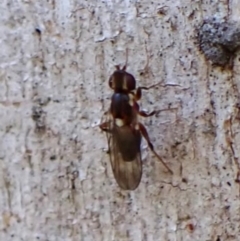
[219,40]
[56,182]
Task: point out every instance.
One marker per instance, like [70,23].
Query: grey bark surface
[56,182]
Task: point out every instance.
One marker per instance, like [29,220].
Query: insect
[124,131]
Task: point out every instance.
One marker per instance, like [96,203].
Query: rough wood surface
[56,182]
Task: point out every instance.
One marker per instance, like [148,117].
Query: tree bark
[56,181]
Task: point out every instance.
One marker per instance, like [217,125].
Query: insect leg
[138,94]
[142,112]
[145,114]
[144,132]
[105,126]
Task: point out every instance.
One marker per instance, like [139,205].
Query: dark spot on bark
[53,157]
[38,31]
[190,227]
[38,116]
[184,180]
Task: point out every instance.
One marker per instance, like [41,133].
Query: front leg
[138,94]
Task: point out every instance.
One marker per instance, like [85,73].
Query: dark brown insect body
[124,132]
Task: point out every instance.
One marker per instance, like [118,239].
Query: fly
[124,131]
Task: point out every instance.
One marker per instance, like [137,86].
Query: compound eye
[131,82]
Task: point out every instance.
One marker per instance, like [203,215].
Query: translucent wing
[124,143]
